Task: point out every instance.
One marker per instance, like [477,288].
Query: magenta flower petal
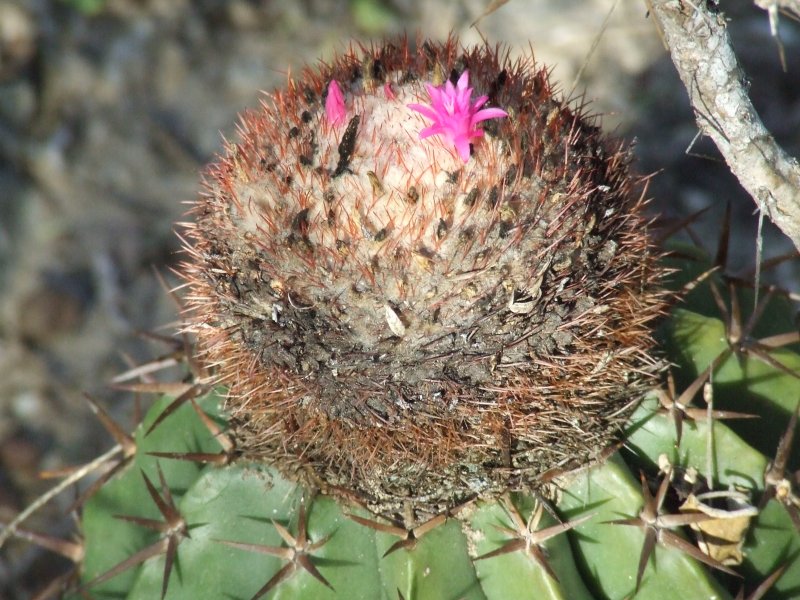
[488,113]
[335,110]
[454,115]
[426,111]
[479,102]
[462,146]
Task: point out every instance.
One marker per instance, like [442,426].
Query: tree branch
[701,50]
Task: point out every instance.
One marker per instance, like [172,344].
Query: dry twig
[698,42]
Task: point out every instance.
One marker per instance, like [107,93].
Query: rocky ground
[107,116]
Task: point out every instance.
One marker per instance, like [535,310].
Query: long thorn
[77,475]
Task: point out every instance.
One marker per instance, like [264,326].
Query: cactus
[439,286]
[569,461]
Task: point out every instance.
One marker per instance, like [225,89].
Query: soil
[107,117]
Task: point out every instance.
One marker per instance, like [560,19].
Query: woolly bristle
[407,327]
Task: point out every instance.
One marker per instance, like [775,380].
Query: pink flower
[334,104]
[453,116]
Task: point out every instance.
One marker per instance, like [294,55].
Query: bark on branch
[701,50]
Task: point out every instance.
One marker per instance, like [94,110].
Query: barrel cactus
[413,295]
[437,353]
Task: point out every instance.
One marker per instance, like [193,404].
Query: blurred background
[110,108]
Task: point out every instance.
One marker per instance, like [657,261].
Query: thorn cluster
[297,554]
[528,537]
[679,408]
[656,525]
[173,530]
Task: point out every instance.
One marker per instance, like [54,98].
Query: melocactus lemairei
[414,317]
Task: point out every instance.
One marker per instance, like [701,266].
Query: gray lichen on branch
[698,42]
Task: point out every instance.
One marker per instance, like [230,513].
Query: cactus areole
[423,277]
